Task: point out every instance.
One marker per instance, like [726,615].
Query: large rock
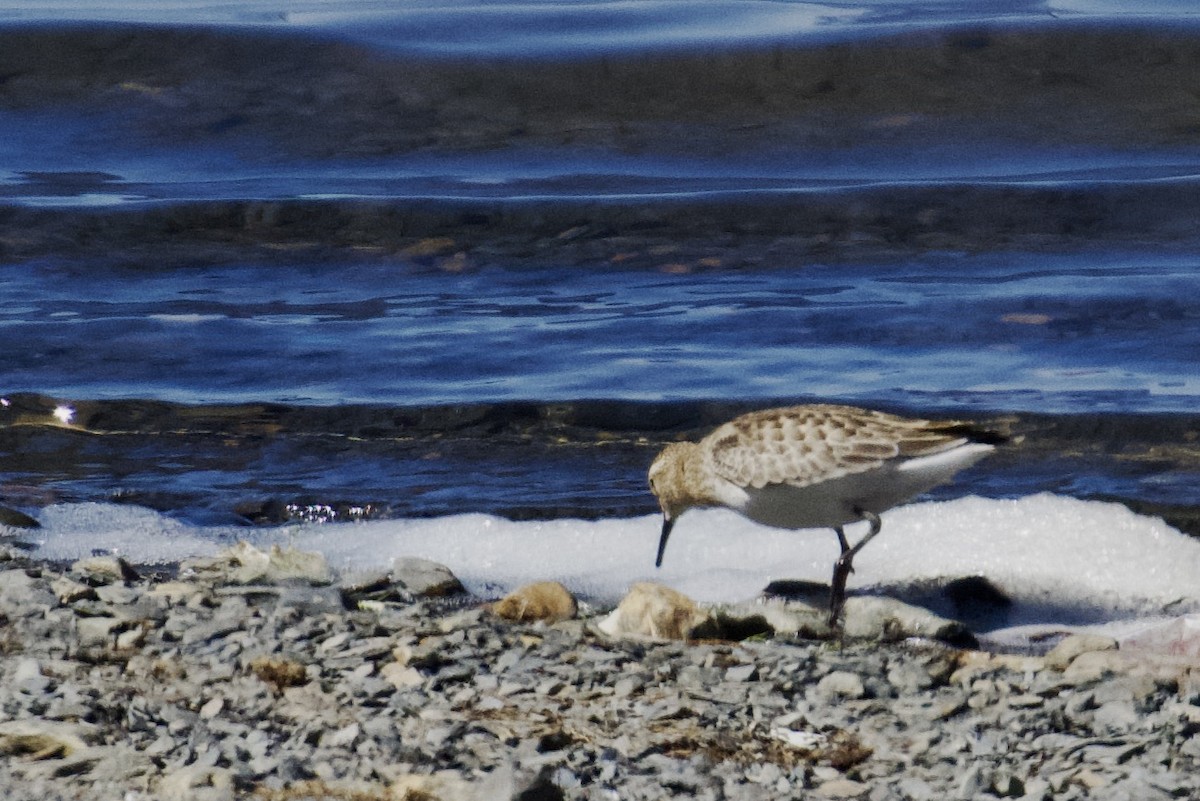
[1071,647]
[652,610]
[14,519]
[1177,637]
[864,618]
[767,616]
[409,578]
[872,617]
[425,579]
[246,564]
[21,594]
[98,570]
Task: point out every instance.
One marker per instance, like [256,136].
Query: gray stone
[245,564]
[425,579]
[841,684]
[1036,789]
[972,782]
[23,595]
[742,673]
[211,630]
[343,737]
[12,518]
[1144,785]
[119,764]
[841,788]
[101,570]
[915,789]
[1067,649]
[1090,667]
[197,782]
[1007,785]
[117,594]
[909,677]
[563,779]
[97,631]
[70,591]
[131,638]
[28,677]
[875,618]
[1116,716]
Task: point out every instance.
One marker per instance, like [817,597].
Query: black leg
[844,566]
[842,539]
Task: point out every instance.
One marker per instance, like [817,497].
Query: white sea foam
[1045,551]
[73,531]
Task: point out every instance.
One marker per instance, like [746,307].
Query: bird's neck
[696,477]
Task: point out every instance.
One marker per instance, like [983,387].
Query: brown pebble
[280,673]
[545,600]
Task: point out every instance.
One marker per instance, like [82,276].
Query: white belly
[835,502]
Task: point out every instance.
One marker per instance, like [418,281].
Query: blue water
[543,27]
[1015,331]
[957,207]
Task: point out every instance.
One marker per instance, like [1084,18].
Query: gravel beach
[255,675]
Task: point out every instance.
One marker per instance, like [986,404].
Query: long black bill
[668,523]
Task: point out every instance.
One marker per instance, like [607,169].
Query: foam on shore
[1046,552]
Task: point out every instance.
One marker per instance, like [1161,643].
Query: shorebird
[815,466]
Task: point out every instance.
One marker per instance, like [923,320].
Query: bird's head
[671,485]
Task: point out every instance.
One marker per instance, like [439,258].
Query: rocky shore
[264,675]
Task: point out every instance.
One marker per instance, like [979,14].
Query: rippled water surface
[1017,331]
[304,225]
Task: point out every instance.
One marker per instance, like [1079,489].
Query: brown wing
[803,445]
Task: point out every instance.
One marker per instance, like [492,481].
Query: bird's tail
[994,432]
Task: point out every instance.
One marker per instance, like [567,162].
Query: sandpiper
[815,466]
